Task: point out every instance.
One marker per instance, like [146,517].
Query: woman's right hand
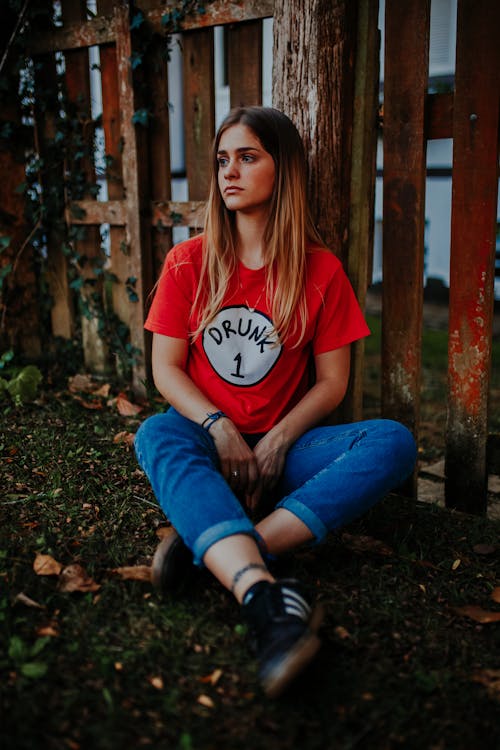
[237,461]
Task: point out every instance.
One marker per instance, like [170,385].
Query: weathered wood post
[313,82]
[405,87]
[473,224]
[313,85]
[95,350]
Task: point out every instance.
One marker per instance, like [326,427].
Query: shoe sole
[296,660]
[168,554]
[291,666]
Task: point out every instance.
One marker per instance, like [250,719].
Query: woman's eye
[247,158]
[222,161]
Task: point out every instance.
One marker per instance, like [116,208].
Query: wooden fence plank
[199,109]
[217,13]
[138,234]
[363,171]
[159,146]
[439,116]
[405,84]
[244,62]
[114,210]
[179,214]
[77,79]
[474,206]
[61,311]
[75,35]
[102,30]
[165,213]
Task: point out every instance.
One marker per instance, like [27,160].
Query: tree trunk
[313,84]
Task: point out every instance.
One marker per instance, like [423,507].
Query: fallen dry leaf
[45,565]
[88,404]
[478,614]
[103,391]
[342,632]
[205,700]
[456,564]
[23,599]
[212,678]
[81,384]
[125,407]
[75,578]
[134,573]
[495,594]
[48,631]
[156,682]
[124,437]
[366,544]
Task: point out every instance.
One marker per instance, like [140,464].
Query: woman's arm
[332,376]
[169,357]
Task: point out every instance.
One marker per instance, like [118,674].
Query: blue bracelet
[211,418]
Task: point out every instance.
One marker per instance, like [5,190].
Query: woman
[238,315]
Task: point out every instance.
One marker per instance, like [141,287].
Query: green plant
[22,386]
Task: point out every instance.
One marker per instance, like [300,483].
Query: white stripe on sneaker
[295,604]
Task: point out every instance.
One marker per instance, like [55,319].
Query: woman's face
[246,171]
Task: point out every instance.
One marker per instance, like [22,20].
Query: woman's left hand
[270,453]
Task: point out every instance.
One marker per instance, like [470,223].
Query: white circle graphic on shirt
[241,345]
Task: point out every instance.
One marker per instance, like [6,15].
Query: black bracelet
[211,418]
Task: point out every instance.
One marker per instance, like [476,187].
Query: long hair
[288,231]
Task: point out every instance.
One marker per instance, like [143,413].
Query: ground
[92,657]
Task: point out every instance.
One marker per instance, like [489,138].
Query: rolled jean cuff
[310,519]
[220,531]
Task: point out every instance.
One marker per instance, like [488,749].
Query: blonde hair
[288,232]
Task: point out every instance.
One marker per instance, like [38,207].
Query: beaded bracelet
[211,418]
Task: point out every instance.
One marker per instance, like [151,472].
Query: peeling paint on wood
[474,205]
[218,13]
[99,30]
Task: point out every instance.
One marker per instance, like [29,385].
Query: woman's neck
[250,239]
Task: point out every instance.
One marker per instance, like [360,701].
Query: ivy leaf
[4,243]
[6,358]
[77,212]
[4,272]
[141,117]
[137,21]
[17,649]
[34,669]
[135,60]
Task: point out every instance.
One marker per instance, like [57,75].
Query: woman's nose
[231,169]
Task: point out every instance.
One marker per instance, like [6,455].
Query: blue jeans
[332,475]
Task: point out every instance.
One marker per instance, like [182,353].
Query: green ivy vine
[56,168]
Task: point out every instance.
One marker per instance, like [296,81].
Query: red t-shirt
[238,362]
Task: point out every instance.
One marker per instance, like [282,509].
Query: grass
[118,667]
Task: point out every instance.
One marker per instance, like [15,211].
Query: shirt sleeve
[340,321]
[170,310]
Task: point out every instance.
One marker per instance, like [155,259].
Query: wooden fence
[142,214]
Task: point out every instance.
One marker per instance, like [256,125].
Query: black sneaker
[284,627]
[172,565]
